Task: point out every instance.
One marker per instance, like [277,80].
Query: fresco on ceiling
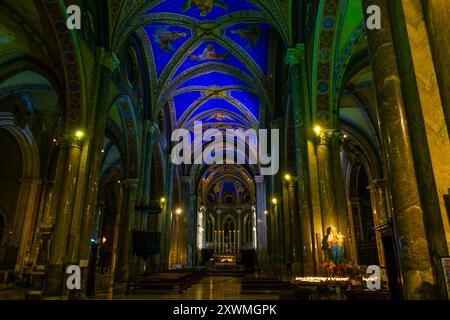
[213,78]
[205,6]
[219,116]
[250,33]
[210,52]
[215,104]
[253,38]
[202,9]
[166,39]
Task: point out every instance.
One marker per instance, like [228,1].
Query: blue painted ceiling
[210,59]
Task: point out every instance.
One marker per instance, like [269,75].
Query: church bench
[159,281]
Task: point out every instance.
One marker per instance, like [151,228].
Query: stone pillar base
[55,281]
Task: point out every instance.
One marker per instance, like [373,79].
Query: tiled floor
[209,288]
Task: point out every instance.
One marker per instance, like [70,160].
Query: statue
[335,242]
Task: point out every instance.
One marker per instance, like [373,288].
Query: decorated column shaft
[125,236]
[414,256]
[261,222]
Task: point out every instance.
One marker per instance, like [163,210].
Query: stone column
[415,264]
[124,256]
[167,209]
[63,219]
[240,234]
[85,209]
[261,223]
[296,238]
[149,132]
[25,218]
[380,216]
[424,111]
[287,227]
[299,82]
[219,229]
[115,240]
[191,208]
[326,182]
[437,16]
[342,209]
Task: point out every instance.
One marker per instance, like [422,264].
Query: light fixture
[288,177]
[266,213]
[345,136]
[274,200]
[79,134]
[103,240]
[317,130]
[119,181]
[178,211]
[103,150]
[163,200]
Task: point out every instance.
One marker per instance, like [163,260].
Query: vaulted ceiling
[209,59]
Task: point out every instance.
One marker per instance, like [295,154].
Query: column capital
[295,55]
[377,184]
[107,59]
[69,141]
[325,137]
[259,179]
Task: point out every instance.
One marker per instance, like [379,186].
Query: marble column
[167,209]
[219,230]
[437,18]
[149,133]
[296,238]
[299,82]
[326,182]
[377,190]
[124,255]
[85,208]
[24,218]
[115,240]
[424,110]
[415,264]
[261,223]
[63,220]
[191,208]
[287,227]
[316,211]
[240,234]
[342,209]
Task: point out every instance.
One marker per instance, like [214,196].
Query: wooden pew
[167,281]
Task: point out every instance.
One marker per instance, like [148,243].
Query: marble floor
[209,288]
